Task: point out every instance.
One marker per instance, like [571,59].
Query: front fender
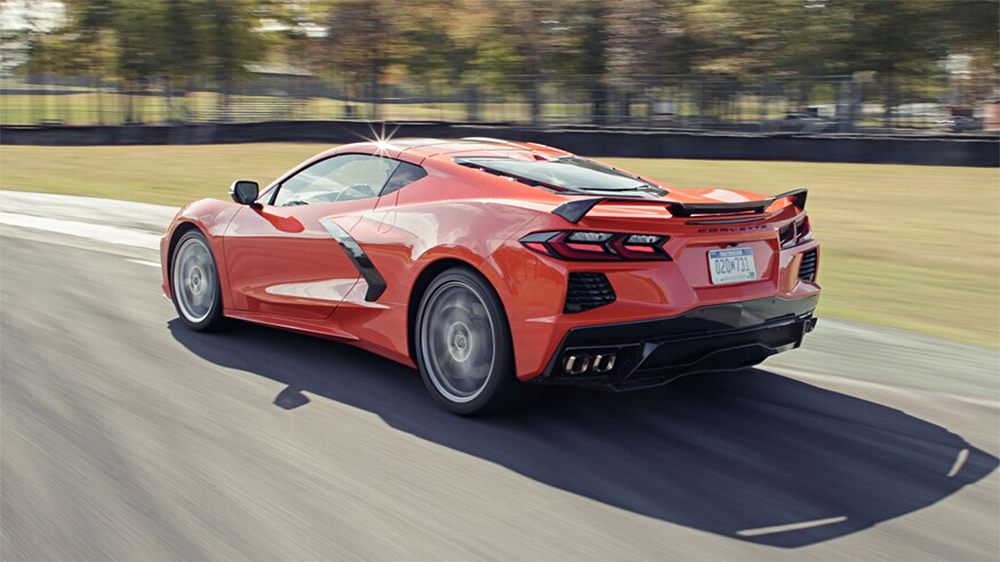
[212,218]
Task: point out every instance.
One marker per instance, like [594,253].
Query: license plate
[731,265]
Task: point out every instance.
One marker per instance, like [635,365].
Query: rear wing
[574,211]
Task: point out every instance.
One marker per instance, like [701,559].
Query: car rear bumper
[654,352]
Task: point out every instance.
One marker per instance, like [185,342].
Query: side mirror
[244,192]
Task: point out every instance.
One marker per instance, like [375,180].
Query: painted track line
[816,377]
[99,232]
[963,455]
[790,527]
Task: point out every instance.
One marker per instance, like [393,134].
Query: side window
[347,177]
[404,175]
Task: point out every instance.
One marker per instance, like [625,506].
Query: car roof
[417,149]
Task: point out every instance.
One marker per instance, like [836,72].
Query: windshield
[569,173]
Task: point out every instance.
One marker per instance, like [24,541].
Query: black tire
[461,328]
[203,283]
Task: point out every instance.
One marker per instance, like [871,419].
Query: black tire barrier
[920,149]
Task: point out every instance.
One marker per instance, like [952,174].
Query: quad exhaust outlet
[580,364]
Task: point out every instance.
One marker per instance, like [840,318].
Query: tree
[530,48]
[361,43]
[425,36]
[231,41]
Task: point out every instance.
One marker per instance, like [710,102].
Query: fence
[814,105]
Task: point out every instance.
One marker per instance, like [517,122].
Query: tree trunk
[100,99]
[536,99]
[375,93]
[129,108]
[889,103]
[471,103]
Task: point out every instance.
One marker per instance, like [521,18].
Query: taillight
[597,246]
[795,233]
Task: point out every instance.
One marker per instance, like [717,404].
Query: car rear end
[633,292]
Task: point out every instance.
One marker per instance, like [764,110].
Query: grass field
[911,247]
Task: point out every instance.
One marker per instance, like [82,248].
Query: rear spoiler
[574,211]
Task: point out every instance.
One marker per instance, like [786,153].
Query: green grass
[912,247]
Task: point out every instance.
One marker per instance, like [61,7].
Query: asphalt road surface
[124,435]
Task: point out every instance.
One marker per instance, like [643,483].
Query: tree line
[491,43]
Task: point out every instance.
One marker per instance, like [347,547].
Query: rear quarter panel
[437,218]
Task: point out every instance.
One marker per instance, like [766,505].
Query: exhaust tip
[579,364]
[604,363]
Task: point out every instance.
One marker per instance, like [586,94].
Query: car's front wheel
[464,347]
[194,283]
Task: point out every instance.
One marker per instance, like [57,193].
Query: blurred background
[894,82]
[124,437]
[818,66]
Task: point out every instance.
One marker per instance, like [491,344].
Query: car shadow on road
[732,454]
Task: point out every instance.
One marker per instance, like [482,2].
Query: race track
[125,436]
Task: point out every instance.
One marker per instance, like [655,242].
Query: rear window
[567,173]
[404,175]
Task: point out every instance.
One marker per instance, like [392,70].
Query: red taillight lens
[537,246]
[597,246]
[642,249]
[585,247]
[569,245]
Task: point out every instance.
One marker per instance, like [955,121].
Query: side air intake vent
[807,269]
[587,291]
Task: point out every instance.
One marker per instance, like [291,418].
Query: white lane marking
[102,233]
[796,373]
[790,527]
[963,455]
[86,209]
[144,262]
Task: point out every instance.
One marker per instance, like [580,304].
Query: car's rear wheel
[464,347]
[194,283]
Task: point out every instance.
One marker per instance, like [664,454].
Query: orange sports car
[497,267]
